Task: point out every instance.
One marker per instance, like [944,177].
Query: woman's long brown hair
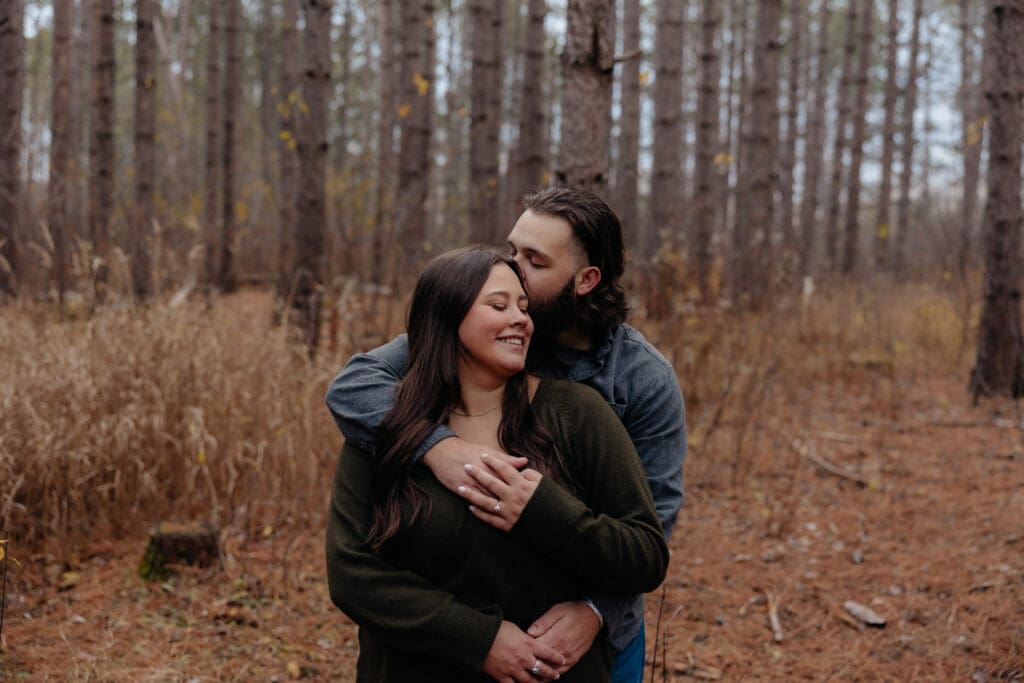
[430,390]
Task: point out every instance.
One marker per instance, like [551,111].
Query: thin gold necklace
[461,413]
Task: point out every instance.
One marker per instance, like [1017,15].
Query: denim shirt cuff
[436,437]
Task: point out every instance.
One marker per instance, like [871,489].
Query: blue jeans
[628,665]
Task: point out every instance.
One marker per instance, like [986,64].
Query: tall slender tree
[628,159]
[883,219]
[214,130]
[532,145]
[12,68]
[840,140]
[999,368]
[385,137]
[311,213]
[787,161]
[667,176]
[145,149]
[705,202]
[267,48]
[232,96]
[287,108]
[485,123]
[859,122]
[972,134]
[60,184]
[814,146]
[755,210]
[415,111]
[907,150]
[587,62]
[101,147]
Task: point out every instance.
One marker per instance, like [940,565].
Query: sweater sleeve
[611,535]
[399,606]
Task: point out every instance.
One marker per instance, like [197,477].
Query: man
[568,244]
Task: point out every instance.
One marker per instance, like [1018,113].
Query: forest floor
[885,487]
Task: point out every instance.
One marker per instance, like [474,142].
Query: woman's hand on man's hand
[500,495]
[514,656]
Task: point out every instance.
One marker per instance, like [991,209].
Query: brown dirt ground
[924,528]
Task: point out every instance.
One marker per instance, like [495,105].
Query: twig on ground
[773,616]
[808,452]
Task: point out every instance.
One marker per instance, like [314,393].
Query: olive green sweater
[429,606]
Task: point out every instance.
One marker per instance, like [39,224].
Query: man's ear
[586,279]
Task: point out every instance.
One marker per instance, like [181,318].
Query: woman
[442,590]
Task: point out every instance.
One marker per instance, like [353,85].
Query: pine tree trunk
[415,110]
[666,174]
[288,99]
[532,151]
[265,52]
[79,122]
[214,125]
[60,184]
[907,152]
[311,212]
[860,112]
[793,97]
[232,96]
[628,161]
[485,123]
[101,148]
[385,142]
[814,147]
[999,369]
[12,74]
[587,62]
[972,136]
[145,149]
[839,141]
[883,221]
[705,197]
[730,143]
[755,212]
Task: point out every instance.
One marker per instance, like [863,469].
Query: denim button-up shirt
[636,381]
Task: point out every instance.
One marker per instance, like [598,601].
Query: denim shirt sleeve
[656,422]
[361,395]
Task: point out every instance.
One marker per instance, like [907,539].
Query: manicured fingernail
[468,466]
[462,489]
[472,508]
[483,457]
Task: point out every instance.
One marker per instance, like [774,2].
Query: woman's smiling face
[495,334]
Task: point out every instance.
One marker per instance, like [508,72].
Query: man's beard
[557,314]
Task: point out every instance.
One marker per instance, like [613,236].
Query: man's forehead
[538,232]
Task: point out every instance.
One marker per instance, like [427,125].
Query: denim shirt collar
[549,358]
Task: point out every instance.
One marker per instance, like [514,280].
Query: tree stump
[169,543]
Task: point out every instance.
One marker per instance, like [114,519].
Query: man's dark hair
[598,232]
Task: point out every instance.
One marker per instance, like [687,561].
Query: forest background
[206,207]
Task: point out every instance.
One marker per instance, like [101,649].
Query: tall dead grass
[111,423]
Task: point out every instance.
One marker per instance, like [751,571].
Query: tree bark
[12,68]
[753,280]
[532,151]
[587,63]
[705,198]
[232,95]
[415,111]
[666,181]
[145,149]
[883,221]
[311,211]
[628,160]
[288,98]
[60,185]
[485,118]
[839,141]
[814,147]
[266,49]
[101,148]
[907,155]
[860,112]
[999,368]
